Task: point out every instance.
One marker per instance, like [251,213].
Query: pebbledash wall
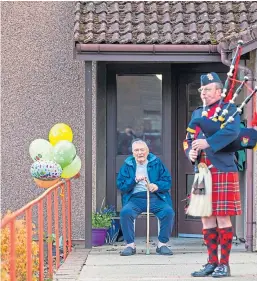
[42,85]
[252,64]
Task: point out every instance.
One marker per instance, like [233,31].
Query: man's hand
[140,178]
[200,144]
[193,155]
[152,187]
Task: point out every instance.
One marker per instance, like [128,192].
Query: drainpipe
[249,172]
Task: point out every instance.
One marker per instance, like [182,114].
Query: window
[139,111]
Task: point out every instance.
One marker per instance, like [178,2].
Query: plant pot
[98,236]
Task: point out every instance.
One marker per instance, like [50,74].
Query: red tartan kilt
[225,192]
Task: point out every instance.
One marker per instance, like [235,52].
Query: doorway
[154,102]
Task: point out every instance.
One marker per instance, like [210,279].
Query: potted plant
[101,222]
[113,231]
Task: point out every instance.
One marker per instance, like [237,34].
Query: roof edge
[148,48]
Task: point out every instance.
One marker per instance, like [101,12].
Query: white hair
[139,141]
[218,85]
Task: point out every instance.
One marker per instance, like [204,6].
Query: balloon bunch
[54,159]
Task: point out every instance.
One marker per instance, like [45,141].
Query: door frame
[169,124]
[184,75]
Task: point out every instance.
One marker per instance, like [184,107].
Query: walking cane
[147,218]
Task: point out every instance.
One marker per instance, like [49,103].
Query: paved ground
[104,263]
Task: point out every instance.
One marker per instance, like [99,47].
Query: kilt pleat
[225,191]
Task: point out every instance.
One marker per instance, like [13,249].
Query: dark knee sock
[211,241]
[225,237]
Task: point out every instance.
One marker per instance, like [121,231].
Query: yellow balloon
[60,132]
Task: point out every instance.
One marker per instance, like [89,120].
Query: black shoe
[205,271]
[221,270]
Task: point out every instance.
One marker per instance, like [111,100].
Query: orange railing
[62,190]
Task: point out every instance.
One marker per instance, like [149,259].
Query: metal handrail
[65,187]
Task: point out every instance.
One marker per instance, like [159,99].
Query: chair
[144,215]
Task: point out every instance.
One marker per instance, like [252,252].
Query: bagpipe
[201,193]
[247,138]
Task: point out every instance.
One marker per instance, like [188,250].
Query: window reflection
[193,98]
[139,111]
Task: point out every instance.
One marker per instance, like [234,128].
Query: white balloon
[41,149]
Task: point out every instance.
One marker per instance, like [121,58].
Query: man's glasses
[200,90]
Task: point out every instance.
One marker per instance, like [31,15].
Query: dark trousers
[138,204]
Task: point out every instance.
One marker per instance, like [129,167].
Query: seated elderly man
[132,184]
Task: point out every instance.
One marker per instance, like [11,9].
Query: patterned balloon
[45,170]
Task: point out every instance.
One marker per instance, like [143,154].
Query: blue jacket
[223,161]
[157,174]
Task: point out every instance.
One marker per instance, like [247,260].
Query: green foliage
[50,239]
[20,250]
[103,218]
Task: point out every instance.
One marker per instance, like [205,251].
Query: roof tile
[141,38]
[127,18]
[114,7]
[140,7]
[203,8]
[140,18]
[179,28]
[165,18]
[177,8]
[167,28]
[114,28]
[179,18]
[153,18]
[192,28]
[190,8]
[192,18]
[180,38]
[165,8]
[253,7]
[101,8]
[164,22]
[242,7]
[90,7]
[101,38]
[102,28]
[167,38]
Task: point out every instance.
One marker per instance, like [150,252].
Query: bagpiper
[220,179]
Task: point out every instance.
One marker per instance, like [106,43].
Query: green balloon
[72,170]
[64,153]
